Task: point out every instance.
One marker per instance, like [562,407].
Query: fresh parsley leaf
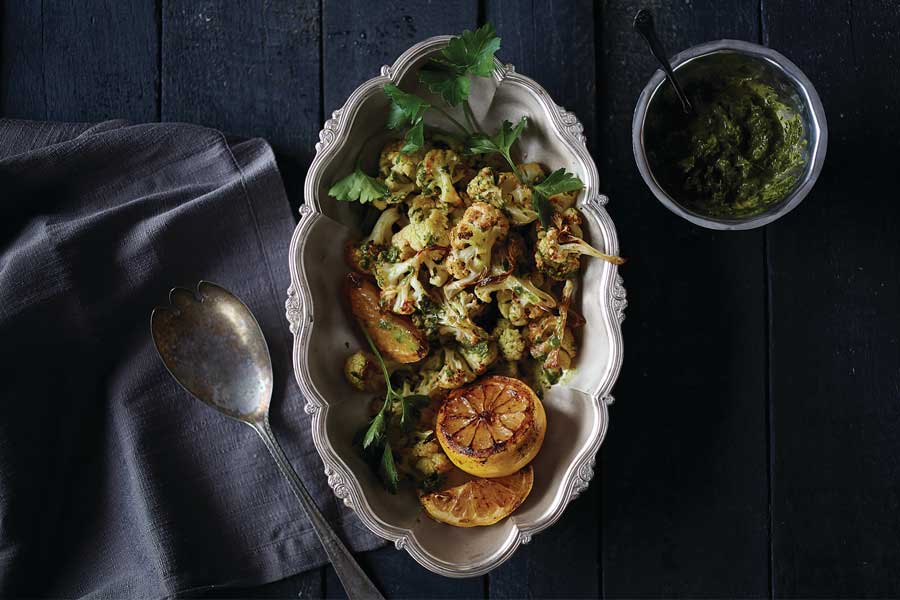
[358,186]
[375,432]
[471,53]
[389,469]
[558,182]
[541,205]
[415,138]
[501,142]
[406,109]
[450,82]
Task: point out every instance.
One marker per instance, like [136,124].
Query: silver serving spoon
[214,348]
[643,24]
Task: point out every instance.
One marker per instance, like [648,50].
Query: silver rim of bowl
[806,92]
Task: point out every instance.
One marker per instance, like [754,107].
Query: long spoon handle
[356,583]
[643,24]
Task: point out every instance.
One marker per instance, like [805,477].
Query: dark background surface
[754,448]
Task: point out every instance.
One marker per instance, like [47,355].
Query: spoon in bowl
[214,348]
[643,24]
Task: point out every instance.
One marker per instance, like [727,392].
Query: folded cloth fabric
[114,482]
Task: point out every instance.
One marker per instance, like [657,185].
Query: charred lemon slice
[493,427]
[479,501]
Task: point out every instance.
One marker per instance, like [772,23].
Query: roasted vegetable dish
[466,278]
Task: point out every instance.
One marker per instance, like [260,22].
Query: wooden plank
[70,61]
[249,69]
[563,561]
[683,479]
[358,40]
[835,272]
[21,61]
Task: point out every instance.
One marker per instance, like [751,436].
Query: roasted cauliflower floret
[551,339]
[437,173]
[559,247]
[544,339]
[401,289]
[532,173]
[483,188]
[452,317]
[455,371]
[363,372]
[471,243]
[518,298]
[480,356]
[428,226]
[426,376]
[398,171]
[455,319]
[426,459]
[505,191]
[394,162]
[362,256]
[510,340]
[516,199]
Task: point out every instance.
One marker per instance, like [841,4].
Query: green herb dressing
[740,151]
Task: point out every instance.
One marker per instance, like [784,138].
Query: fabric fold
[113,480]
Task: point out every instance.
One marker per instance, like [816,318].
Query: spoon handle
[643,24]
[356,583]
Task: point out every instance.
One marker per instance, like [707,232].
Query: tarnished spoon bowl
[216,350]
[212,345]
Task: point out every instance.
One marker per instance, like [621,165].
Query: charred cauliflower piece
[455,371]
[363,372]
[399,171]
[428,225]
[559,247]
[479,356]
[362,256]
[483,188]
[401,288]
[437,173]
[505,191]
[471,244]
[510,341]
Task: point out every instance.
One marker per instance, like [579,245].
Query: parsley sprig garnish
[376,434]
[472,53]
[407,109]
[358,186]
[557,182]
[448,74]
[501,142]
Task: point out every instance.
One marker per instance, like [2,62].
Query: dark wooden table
[754,448]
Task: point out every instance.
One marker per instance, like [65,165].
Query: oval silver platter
[324,333]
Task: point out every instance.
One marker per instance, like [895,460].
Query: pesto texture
[739,152]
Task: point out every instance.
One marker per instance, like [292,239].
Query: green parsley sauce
[740,151]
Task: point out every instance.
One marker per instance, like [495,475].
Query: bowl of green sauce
[748,152]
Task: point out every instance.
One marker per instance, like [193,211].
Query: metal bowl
[794,89]
[323,330]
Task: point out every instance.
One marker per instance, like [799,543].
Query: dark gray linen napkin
[114,482]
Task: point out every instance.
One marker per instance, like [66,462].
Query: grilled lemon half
[480,501]
[493,427]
